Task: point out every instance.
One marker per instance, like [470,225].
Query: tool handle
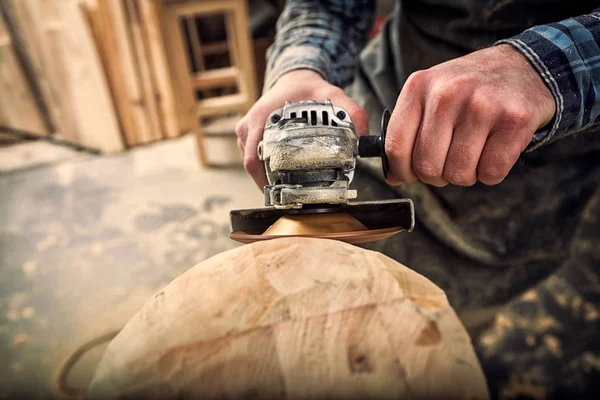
[374,146]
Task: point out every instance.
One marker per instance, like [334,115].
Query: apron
[519,261]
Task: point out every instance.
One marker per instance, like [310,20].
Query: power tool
[310,150]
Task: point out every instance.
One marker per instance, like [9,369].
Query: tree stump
[294,318]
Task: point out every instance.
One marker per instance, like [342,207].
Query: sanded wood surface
[295,318]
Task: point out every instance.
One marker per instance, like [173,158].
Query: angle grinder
[310,151]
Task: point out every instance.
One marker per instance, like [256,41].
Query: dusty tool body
[310,151]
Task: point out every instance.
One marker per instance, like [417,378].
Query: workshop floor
[85,241]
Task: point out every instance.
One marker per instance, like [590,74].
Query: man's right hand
[294,86]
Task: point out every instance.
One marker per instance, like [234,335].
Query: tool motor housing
[309,150]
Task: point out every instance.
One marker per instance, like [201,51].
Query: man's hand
[467,119]
[293,86]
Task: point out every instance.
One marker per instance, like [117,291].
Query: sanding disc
[336,226]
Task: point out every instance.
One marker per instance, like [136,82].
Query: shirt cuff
[535,49]
[298,57]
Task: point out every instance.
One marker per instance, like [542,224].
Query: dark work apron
[519,261]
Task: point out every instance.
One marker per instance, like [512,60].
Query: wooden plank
[222,104]
[180,75]
[129,71]
[145,73]
[244,50]
[38,26]
[17,103]
[216,78]
[215,48]
[97,124]
[150,12]
[195,43]
[106,41]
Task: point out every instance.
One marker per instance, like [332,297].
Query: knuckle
[493,173]
[250,164]
[394,149]
[517,116]
[443,97]
[241,129]
[426,171]
[479,107]
[460,177]
[416,80]
[330,92]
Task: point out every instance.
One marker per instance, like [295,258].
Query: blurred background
[118,163]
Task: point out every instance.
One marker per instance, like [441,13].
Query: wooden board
[294,318]
[67,66]
[18,106]
[96,121]
[142,62]
[149,14]
[37,25]
[106,41]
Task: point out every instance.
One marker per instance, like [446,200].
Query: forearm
[566,54]
[323,36]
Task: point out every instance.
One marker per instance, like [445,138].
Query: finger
[358,115]
[433,141]
[402,131]
[241,146]
[467,145]
[252,164]
[241,131]
[502,150]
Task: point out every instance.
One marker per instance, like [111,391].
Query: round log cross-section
[294,318]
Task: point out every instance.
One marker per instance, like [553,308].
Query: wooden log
[18,106]
[294,318]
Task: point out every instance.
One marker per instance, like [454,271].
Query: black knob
[374,146]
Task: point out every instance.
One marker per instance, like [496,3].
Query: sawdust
[311,152]
[46,243]
[13,315]
[19,340]
[28,313]
[29,269]
[530,340]
[17,367]
[553,344]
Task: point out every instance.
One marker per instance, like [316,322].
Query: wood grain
[294,318]
[18,106]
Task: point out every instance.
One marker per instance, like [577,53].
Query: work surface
[84,242]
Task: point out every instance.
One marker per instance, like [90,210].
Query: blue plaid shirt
[327,35]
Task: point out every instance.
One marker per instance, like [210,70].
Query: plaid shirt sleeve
[567,56]
[325,36]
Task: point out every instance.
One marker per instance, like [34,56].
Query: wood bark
[294,318]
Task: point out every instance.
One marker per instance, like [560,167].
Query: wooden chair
[186,62]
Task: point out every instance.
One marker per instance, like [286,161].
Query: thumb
[358,115]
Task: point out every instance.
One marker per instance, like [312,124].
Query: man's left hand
[467,119]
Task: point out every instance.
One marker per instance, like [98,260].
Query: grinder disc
[359,222]
[337,226]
